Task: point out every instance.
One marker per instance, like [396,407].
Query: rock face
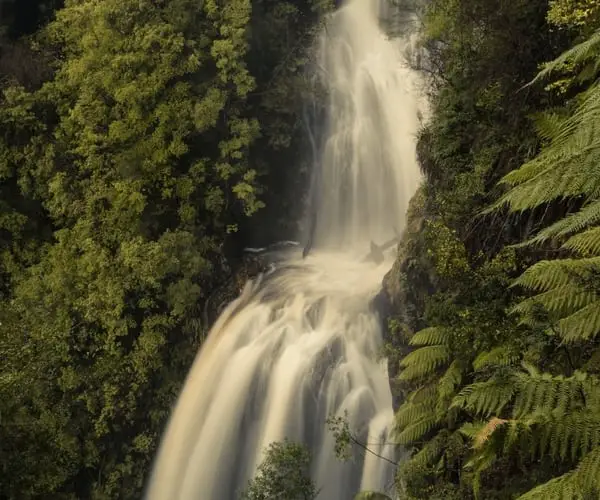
[255,261]
[251,265]
[401,300]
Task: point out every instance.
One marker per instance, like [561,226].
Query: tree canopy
[127,168]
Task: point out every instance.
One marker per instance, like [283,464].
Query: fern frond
[451,379]
[485,398]
[560,176]
[479,463]
[581,483]
[416,431]
[586,243]
[573,223]
[569,166]
[549,274]
[430,336]
[410,412]
[484,434]
[577,433]
[579,54]
[423,394]
[560,488]
[583,325]
[527,172]
[546,394]
[423,362]
[432,450]
[472,429]
[558,302]
[500,356]
[549,124]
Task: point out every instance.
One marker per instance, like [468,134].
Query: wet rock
[250,267]
[401,302]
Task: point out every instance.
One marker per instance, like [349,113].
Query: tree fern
[449,382]
[543,393]
[560,415]
[485,398]
[581,483]
[416,431]
[557,171]
[580,54]
[560,301]
[430,336]
[569,296]
[586,243]
[432,450]
[418,415]
[411,411]
[549,274]
[423,362]
[497,357]
[583,325]
[571,224]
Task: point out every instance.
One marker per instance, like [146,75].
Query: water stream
[302,343]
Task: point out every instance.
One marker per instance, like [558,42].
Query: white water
[302,344]
[369,171]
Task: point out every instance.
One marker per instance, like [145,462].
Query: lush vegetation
[139,144]
[143,143]
[495,331]
[285,471]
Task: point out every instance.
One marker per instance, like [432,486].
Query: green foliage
[283,473]
[582,483]
[573,13]
[153,133]
[499,390]
[424,361]
[554,416]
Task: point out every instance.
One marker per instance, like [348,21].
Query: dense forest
[144,144]
[140,142]
[494,334]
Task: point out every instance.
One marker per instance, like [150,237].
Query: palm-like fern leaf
[423,362]
[549,274]
[451,379]
[586,243]
[544,393]
[558,302]
[500,356]
[417,416]
[581,483]
[416,431]
[432,450]
[557,171]
[430,336]
[485,398]
[573,223]
[552,416]
[583,325]
[559,416]
[577,55]
[411,412]
[569,296]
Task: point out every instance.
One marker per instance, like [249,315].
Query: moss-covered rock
[405,287]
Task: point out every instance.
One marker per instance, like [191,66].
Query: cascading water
[301,344]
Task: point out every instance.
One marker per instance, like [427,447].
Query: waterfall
[302,343]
